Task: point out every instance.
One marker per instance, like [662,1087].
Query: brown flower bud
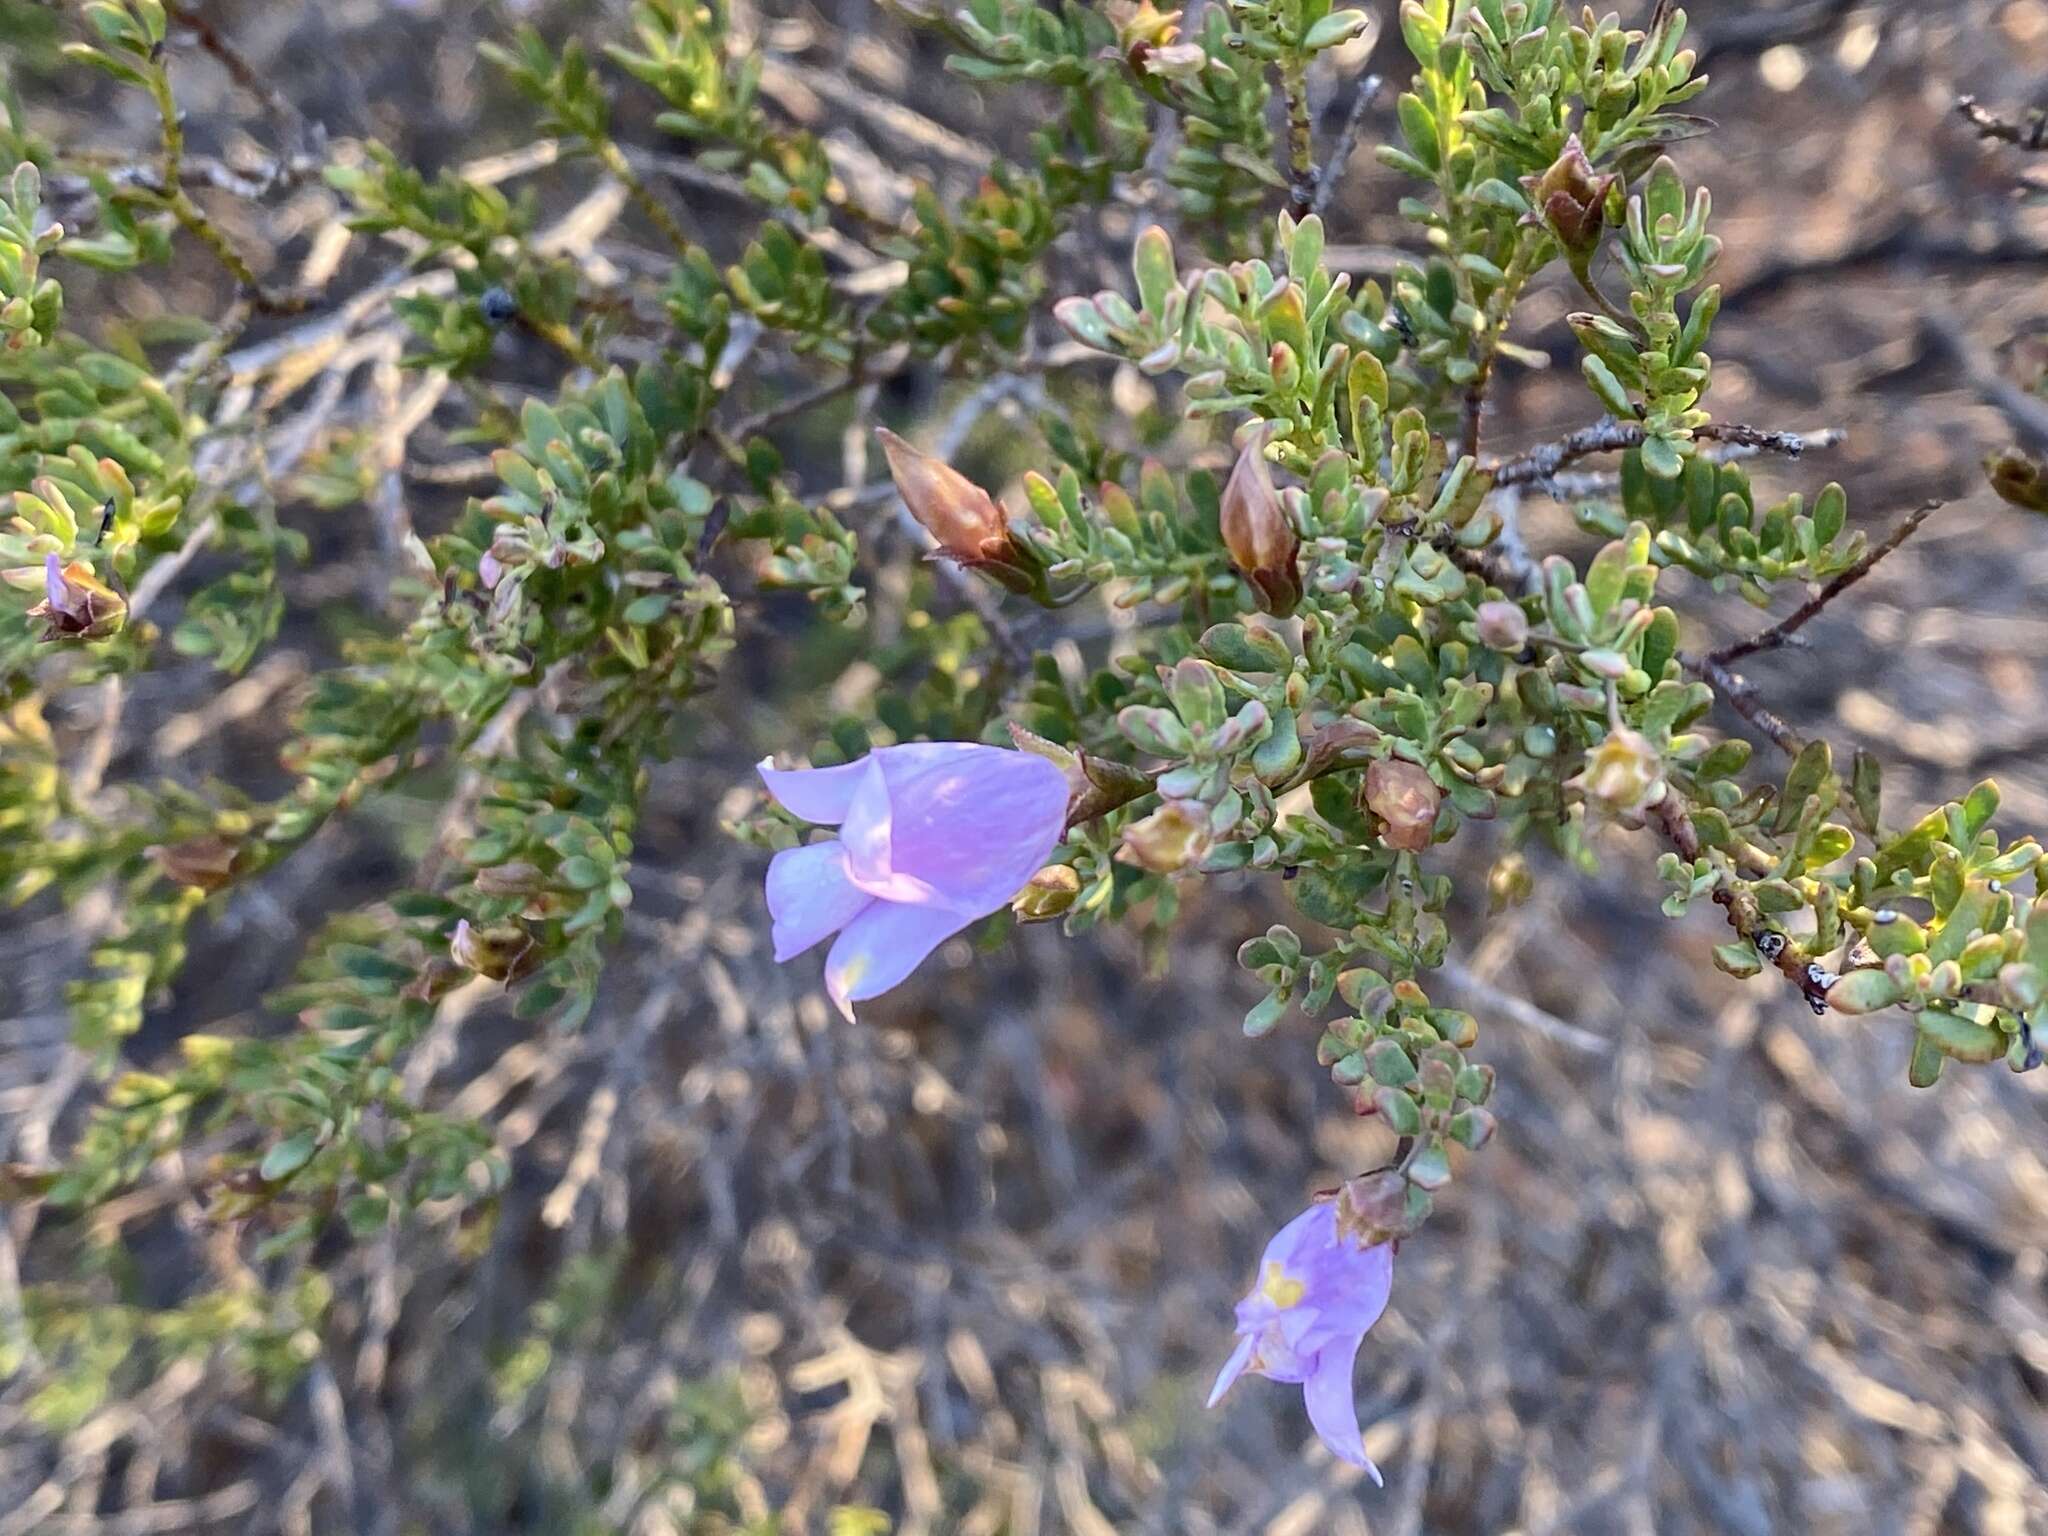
[1258,532]
[1047,894]
[1171,838]
[78,605]
[965,520]
[1404,798]
[968,525]
[206,862]
[1570,199]
[1503,626]
[1623,774]
[503,953]
[1373,1208]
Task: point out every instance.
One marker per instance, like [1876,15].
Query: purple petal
[1313,1231]
[815,794]
[977,825]
[54,587]
[824,794]
[1234,1367]
[1334,1410]
[882,946]
[868,833]
[809,897]
[1350,1290]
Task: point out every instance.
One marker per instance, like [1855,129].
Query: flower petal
[824,794]
[869,835]
[1234,1367]
[1352,1293]
[977,825]
[882,946]
[1333,1409]
[816,794]
[810,897]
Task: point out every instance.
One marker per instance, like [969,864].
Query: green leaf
[1864,991]
[1960,1038]
[1265,1014]
[289,1156]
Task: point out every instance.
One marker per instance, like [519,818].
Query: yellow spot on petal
[1279,1287]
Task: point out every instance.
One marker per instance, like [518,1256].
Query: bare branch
[1782,631]
[1367,91]
[1742,698]
[1538,465]
[2031,134]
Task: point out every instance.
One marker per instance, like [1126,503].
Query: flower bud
[959,514]
[206,862]
[1404,798]
[1570,199]
[1047,894]
[1171,838]
[1623,774]
[1503,626]
[1258,532]
[78,606]
[503,953]
[1508,883]
[968,525]
[1147,36]
[2019,479]
[1373,1208]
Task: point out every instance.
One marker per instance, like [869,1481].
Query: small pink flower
[1319,1292]
[932,836]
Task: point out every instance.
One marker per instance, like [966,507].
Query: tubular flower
[1319,1292]
[77,605]
[932,836]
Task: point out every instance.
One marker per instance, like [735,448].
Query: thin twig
[1741,696]
[1782,631]
[1673,818]
[1946,331]
[255,81]
[1538,465]
[1367,91]
[2031,134]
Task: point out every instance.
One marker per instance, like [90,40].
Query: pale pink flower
[932,836]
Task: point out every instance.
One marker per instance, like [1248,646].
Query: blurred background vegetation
[967,1266]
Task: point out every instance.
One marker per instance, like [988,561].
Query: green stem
[1519,270]
[190,216]
[615,161]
